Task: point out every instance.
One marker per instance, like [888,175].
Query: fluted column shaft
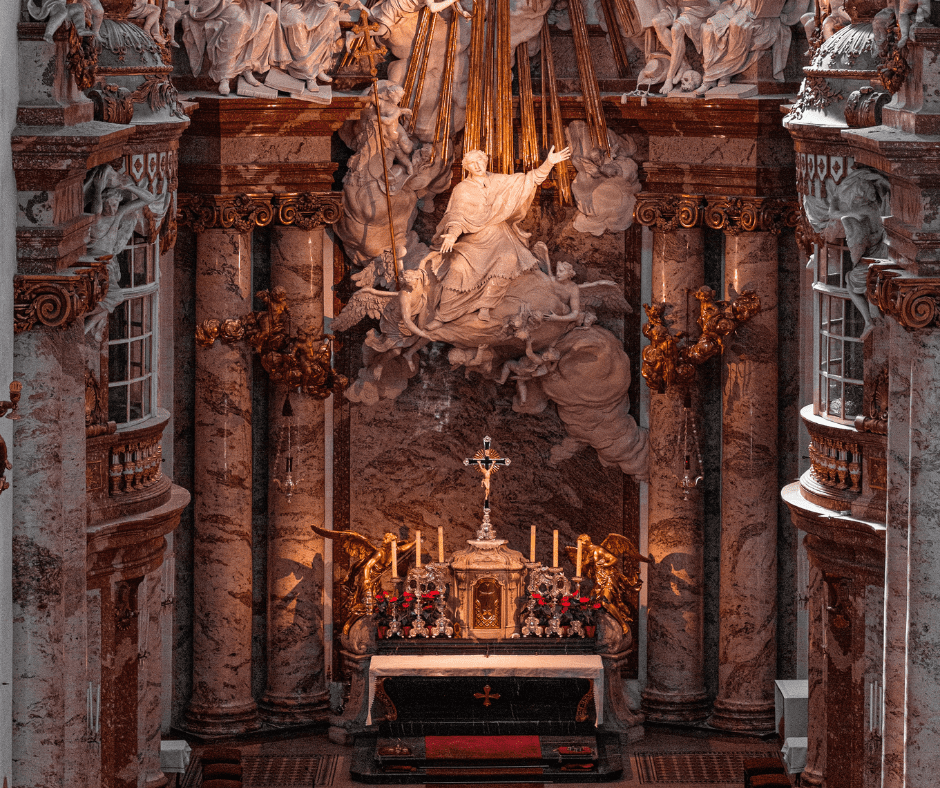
[221,702]
[296,691]
[49,603]
[675,690]
[748,587]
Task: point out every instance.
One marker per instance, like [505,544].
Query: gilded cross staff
[367,48]
[488,462]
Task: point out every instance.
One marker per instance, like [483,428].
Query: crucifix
[488,462]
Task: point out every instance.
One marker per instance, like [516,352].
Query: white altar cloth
[580,666]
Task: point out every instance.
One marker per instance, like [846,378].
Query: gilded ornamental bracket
[243,212]
[668,212]
[913,301]
[301,361]
[667,363]
[57,300]
[736,215]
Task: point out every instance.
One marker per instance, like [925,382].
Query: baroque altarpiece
[281,267]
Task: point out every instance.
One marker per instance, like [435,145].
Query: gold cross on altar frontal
[487,695]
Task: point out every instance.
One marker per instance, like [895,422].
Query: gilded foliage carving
[913,301]
[668,211]
[242,212]
[736,215]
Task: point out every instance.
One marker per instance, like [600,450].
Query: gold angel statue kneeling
[612,587]
[367,564]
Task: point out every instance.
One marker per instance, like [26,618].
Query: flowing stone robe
[491,250]
[309,29]
[237,36]
[739,31]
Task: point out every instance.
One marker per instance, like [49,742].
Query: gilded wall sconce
[301,361]
[8,408]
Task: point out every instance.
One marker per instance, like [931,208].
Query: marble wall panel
[49,623]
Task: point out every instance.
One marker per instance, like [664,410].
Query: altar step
[486,759]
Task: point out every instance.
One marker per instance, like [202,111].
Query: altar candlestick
[578,562]
[532,545]
[555,549]
[440,544]
[395,560]
[418,550]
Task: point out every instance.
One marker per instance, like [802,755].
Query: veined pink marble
[221,702]
[49,603]
[748,591]
[675,688]
[815,750]
[296,691]
[912,642]
[149,675]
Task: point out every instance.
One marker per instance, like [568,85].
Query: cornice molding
[242,212]
[57,300]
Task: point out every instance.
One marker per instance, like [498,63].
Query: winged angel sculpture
[506,314]
[602,563]
[368,563]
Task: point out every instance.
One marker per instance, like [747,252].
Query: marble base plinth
[674,707]
[742,717]
[289,710]
[221,721]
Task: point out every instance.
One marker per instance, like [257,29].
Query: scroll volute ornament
[57,300]
[913,301]
[666,363]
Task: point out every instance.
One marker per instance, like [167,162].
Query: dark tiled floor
[648,762]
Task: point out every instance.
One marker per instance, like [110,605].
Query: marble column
[815,769]
[49,631]
[149,675]
[221,703]
[675,690]
[747,660]
[912,636]
[296,691]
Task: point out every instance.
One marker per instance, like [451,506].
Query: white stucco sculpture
[236,37]
[506,316]
[86,15]
[605,187]
[673,24]
[308,37]
[739,30]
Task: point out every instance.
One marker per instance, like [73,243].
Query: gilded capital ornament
[913,301]
[242,212]
[309,210]
[736,215]
[668,212]
[57,300]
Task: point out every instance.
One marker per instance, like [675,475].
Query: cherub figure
[613,587]
[394,136]
[603,293]
[149,14]
[58,12]
[532,365]
[368,563]
[919,9]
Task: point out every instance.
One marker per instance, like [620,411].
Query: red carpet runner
[478,748]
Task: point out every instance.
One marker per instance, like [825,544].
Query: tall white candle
[554,549]
[440,544]
[532,545]
[395,560]
[418,550]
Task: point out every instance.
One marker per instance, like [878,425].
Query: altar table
[579,666]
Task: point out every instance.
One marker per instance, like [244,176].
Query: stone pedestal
[296,692]
[675,690]
[221,703]
[747,660]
